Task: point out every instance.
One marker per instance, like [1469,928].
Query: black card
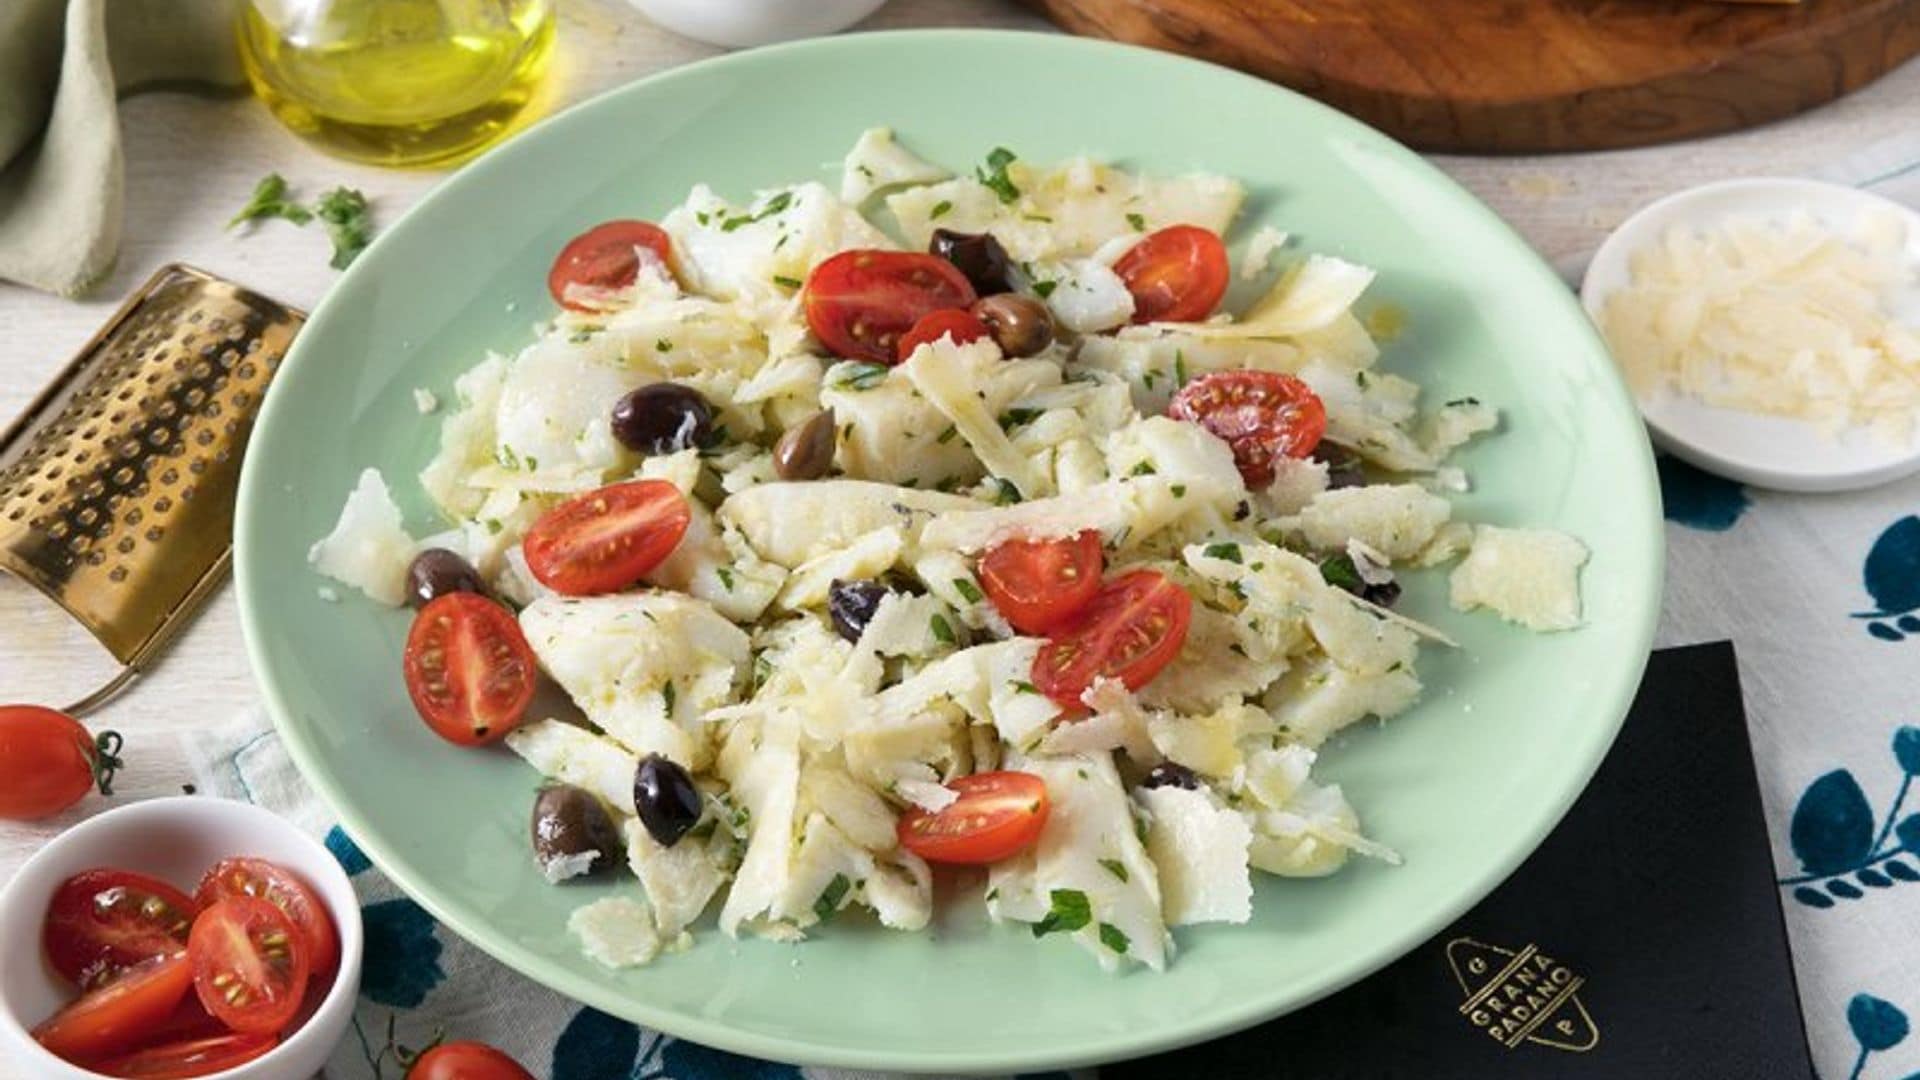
[1643,940]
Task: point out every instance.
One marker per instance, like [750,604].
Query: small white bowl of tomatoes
[178,937]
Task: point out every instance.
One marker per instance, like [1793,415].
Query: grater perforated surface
[117,485]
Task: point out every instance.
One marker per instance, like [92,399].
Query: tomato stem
[105,759]
[404,1056]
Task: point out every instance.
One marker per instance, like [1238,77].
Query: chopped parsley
[863,375]
[1116,868]
[787,282]
[1138,222]
[967,589]
[772,206]
[1042,218]
[1339,572]
[1144,468]
[1004,492]
[1112,937]
[1179,491]
[994,174]
[506,457]
[1180,367]
[1022,686]
[726,577]
[663,345]
[1229,552]
[762,671]
[992,895]
[831,896]
[947,435]
[1015,418]
[1044,289]
[344,212]
[1069,911]
[939,210]
[270,201]
[942,630]
[1459,402]
[668,694]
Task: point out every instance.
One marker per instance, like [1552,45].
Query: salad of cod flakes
[981,539]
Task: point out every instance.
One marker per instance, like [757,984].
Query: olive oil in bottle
[397,82]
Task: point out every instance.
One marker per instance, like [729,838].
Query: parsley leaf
[726,577]
[1070,911]
[1144,468]
[1018,417]
[771,207]
[1117,869]
[967,589]
[831,896]
[1004,492]
[1022,686]
[667,694]
[939,210]
[994,174]
[791,283]
[1044,289]
[942,630]
[862,376]
[1339,572]
[270,201]
[344,212]
[1229,552]
[1113,938]
[1138,222]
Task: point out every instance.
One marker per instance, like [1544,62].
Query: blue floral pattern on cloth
[1843,846]
[347,853]
[1699,499]
[1892,577]
[594,1046]
[401,961]
[1876,1025]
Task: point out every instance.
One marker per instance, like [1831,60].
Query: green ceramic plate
[1465,785]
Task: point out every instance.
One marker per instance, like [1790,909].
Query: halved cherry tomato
[189,1057]
[1263,415]
[1177,274]
[48,762]
[1131,629]
[1039,584]
[101,922]
[469,669]
[997,814]
[117,1016]
[249,964]
[860,302]
[188,1021]
[284,889]
[606,256]
[466,1061]
[960,325]
[608,539]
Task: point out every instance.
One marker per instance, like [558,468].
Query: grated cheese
[1787,318]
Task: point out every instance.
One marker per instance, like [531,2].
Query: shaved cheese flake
[1784,317]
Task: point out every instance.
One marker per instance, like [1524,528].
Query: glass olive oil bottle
[397,82]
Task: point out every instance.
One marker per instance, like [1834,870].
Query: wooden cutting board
[1531,75]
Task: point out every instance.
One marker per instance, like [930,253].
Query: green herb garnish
[270,201]
[967,589]
[1115,867]
[939,210]
[1019,417]
[1112,937]
[862,375]
[831,896]
[772,206]
[349,225]
[1339,572]
[1044,289]
[994,174]
[1229,552]
[787,282]
[942,630]
[1138,222]
[1069,911]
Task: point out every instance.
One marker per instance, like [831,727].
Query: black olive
[1343,465]
[852,604]
[436,572]
[1383,594]
[665,799]
[977,255]
[1021,326]
[663,418]
[805,452]
[1171,774]
[569,822]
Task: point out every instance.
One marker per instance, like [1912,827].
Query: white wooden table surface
[192,160]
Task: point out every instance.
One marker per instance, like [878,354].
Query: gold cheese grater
[117,485]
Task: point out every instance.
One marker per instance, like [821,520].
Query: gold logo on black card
[1524,996]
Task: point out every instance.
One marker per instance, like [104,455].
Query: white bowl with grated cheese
[1770,330]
